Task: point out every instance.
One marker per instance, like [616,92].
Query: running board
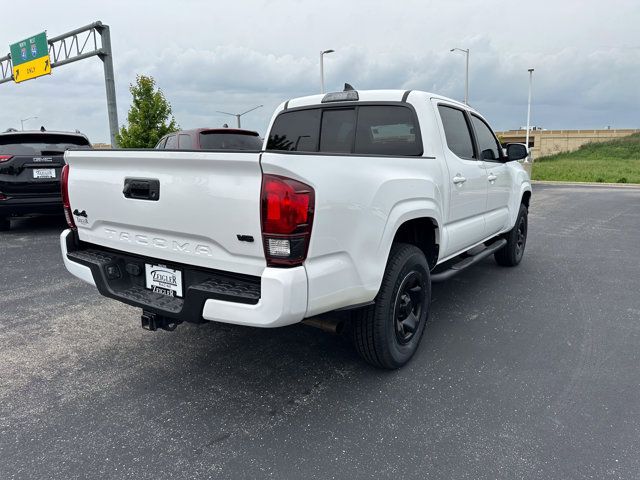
[467,262]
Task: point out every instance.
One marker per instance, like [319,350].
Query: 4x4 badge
[81,217]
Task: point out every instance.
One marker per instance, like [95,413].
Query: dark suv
[211,139]
[30,167]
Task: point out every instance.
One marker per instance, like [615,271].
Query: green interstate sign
[30,58]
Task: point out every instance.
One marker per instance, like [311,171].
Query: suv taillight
[5,158]
[287,207]
[66,205]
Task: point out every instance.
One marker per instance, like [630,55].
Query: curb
[586,184]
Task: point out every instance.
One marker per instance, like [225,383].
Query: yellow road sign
[32,69]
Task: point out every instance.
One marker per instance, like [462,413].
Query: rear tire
[512,253]
[5,224]
[388,333]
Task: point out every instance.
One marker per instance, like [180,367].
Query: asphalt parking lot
[530,372]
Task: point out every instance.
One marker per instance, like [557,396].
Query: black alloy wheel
[388,333]
[408,306]
[511,254]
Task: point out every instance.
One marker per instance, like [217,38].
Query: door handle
[459,179]
[492,177]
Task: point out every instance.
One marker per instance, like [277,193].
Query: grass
[615,161]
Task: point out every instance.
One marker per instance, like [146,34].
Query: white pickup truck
[357,201]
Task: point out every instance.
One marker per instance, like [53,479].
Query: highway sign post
[30,58]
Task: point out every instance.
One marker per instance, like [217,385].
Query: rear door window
[39,144]
[456,131]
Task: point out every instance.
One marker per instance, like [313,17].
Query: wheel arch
[423,232]
[523,197]
[407,222]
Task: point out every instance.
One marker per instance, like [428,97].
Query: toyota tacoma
[356,202]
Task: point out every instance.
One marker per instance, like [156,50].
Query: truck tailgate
[206,212]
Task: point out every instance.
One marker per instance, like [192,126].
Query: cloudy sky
[231,56]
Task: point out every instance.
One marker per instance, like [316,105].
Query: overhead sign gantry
[37,56]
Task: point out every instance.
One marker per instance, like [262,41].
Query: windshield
[36,144]
[229,141]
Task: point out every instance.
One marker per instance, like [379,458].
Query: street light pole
[238,115]
[466,80]
[322,53]
[24,120]
[529,106]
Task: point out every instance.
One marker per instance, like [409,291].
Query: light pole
[529,106]
[322,53]
[24,120]
[238,115]
[466,81]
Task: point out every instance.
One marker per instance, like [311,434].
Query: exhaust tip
[330,325]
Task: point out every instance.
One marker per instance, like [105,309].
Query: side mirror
[516,151]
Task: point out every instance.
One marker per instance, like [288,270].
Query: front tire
[512,253]
[5,224]
[388,333]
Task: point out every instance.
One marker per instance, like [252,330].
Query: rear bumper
[23,206]
[277,298]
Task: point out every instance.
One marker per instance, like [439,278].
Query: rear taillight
[5,158]
[66,205]
[287,207]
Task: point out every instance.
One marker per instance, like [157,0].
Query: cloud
[258,52]
[235,78]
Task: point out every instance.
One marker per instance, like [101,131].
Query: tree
[149,116]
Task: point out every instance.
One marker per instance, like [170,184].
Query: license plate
[161,279]
[44,173]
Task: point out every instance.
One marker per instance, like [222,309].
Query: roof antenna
[225,126]
[348,87]
[42,129]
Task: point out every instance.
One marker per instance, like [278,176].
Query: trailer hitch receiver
[152,321]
